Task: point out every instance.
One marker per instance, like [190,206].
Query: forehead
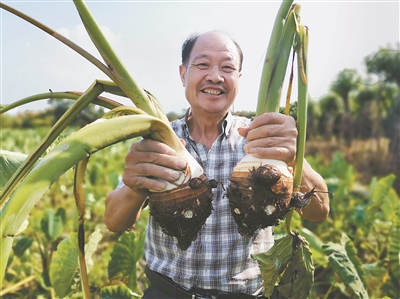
[214,44]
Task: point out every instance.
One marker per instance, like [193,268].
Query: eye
[228,69]
[202,66]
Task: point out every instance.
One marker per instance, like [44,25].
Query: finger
[149,145]
[141,182]
[243,131]
[278,153]
[268,118]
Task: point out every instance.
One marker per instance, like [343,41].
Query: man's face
[212,74]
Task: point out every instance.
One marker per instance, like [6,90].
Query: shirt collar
[226,124]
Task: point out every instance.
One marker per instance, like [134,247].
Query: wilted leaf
[274,261]
[64,265]
[91,247]
[298,277]
[342,263]
[118,292]
[126,253]
[9,163]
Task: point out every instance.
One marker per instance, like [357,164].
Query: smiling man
[218,263]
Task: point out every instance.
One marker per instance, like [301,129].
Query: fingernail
[160,185]
[181,164]
[175,175]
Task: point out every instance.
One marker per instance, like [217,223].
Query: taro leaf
[273,262]
[64,265]
[315,243]
[22,245]
[118,292]
[298,278]
[375,275]
[342,258]
[382,198]
[9,163]
[52,224]
[126,253]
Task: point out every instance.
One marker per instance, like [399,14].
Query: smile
[212,91]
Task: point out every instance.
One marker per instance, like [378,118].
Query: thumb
[243,131]
[183,141]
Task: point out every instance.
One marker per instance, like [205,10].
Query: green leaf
[126,253]
[394,248]
[315,244]
[273,262]
[341,258]
[379,194]
[9,163]
[64,266]
[22,245]
[352,254]
[298,278]
[375,275]
[118,292]
[52,224]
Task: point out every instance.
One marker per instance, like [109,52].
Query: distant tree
[385,63]
[332,110]
[346,82]
[59,106]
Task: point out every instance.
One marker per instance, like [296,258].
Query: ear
[182,73]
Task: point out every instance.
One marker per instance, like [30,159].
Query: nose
[214,75]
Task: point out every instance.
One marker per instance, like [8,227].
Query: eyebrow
[207,56]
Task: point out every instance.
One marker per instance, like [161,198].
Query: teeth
[210,91]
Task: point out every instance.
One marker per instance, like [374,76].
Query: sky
[147,36]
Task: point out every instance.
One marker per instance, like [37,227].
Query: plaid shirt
[220,257]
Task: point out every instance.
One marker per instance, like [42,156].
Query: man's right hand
[148,160]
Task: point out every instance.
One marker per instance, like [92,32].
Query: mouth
[212,92]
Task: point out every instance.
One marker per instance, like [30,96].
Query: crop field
[362,229]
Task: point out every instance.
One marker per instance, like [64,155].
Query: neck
[205,129]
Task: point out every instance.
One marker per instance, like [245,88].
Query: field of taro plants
[355,251]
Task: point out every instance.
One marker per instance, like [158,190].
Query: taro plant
[28,177]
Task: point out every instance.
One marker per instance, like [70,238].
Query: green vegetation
[362,227]
[353,141]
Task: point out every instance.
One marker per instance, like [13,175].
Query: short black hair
[190,41]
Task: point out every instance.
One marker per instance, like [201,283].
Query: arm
[274,135]
[146,161]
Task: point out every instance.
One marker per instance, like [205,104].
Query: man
[218,263]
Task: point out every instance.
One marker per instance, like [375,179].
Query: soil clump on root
[259,198]
[182,212]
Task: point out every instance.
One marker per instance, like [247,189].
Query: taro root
[259,196]
[181,212]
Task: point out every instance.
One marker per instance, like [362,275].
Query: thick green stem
[276,59]
[120,74]
[70,151]
[302,103]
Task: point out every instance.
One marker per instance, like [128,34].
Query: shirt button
[208,239]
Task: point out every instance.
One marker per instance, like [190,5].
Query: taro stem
[301,48]
[260,189]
